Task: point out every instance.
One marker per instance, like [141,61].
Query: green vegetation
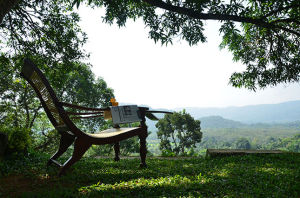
[222,133]
[263,35]
[49,34]
[19,139]
[178,131]
[259,138]
[236,176]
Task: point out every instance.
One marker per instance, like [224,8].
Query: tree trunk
[6,6]
[3,143]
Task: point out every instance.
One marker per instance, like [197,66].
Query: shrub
[47,142]
[167,153]
[18,139]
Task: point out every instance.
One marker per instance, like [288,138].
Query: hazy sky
[142,72]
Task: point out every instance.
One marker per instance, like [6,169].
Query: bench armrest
[83,108]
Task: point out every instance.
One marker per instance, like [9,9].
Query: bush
[167,153]
[242,143]
[18,139]
[47,142]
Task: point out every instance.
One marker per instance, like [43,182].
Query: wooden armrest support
[83,108]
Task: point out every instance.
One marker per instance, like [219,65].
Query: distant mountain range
[264,113]
[218,122]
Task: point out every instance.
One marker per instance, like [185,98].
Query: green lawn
[235,176]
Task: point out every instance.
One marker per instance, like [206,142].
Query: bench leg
[65,141]
[117,151]
[80,147]
[143,150]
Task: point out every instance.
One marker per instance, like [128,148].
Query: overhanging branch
[6,6]
[221,17]
[296,5]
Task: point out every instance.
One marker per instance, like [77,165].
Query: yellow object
[113,102]
[107,115]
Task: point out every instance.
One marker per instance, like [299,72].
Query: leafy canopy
[49,34]
[178,131]
[264,35]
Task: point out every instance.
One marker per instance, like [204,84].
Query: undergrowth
[235,176]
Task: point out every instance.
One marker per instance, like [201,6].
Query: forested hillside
[264,113]
[219,132]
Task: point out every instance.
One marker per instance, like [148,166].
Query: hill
[264,113]
[219,122]
[285,114]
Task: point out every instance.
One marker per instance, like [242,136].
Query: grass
[234,176]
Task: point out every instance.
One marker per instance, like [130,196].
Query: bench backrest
[45,93]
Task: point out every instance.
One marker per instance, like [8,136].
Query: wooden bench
[61,120]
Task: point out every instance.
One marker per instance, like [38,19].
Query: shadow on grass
[235,176]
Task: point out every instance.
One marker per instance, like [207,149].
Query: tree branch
[221,17]
[296,5]
[6,6]
[34,116]
[288,30]
[287,20]
[26,107]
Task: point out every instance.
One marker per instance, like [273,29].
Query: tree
[178,131]
[263,35]
[20,108]
[48,30]
[49,34]
[242,143]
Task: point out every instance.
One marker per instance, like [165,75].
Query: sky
[143,72]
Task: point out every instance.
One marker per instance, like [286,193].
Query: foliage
[235,176]
[48,30]
[242,143]
[274,137]
[47,142]
[260,136]
[263,35]
[130,146]
[167,153]
[49,34]
[289,143]
[19,106]
[19,139]
[127,147]
[181,128]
